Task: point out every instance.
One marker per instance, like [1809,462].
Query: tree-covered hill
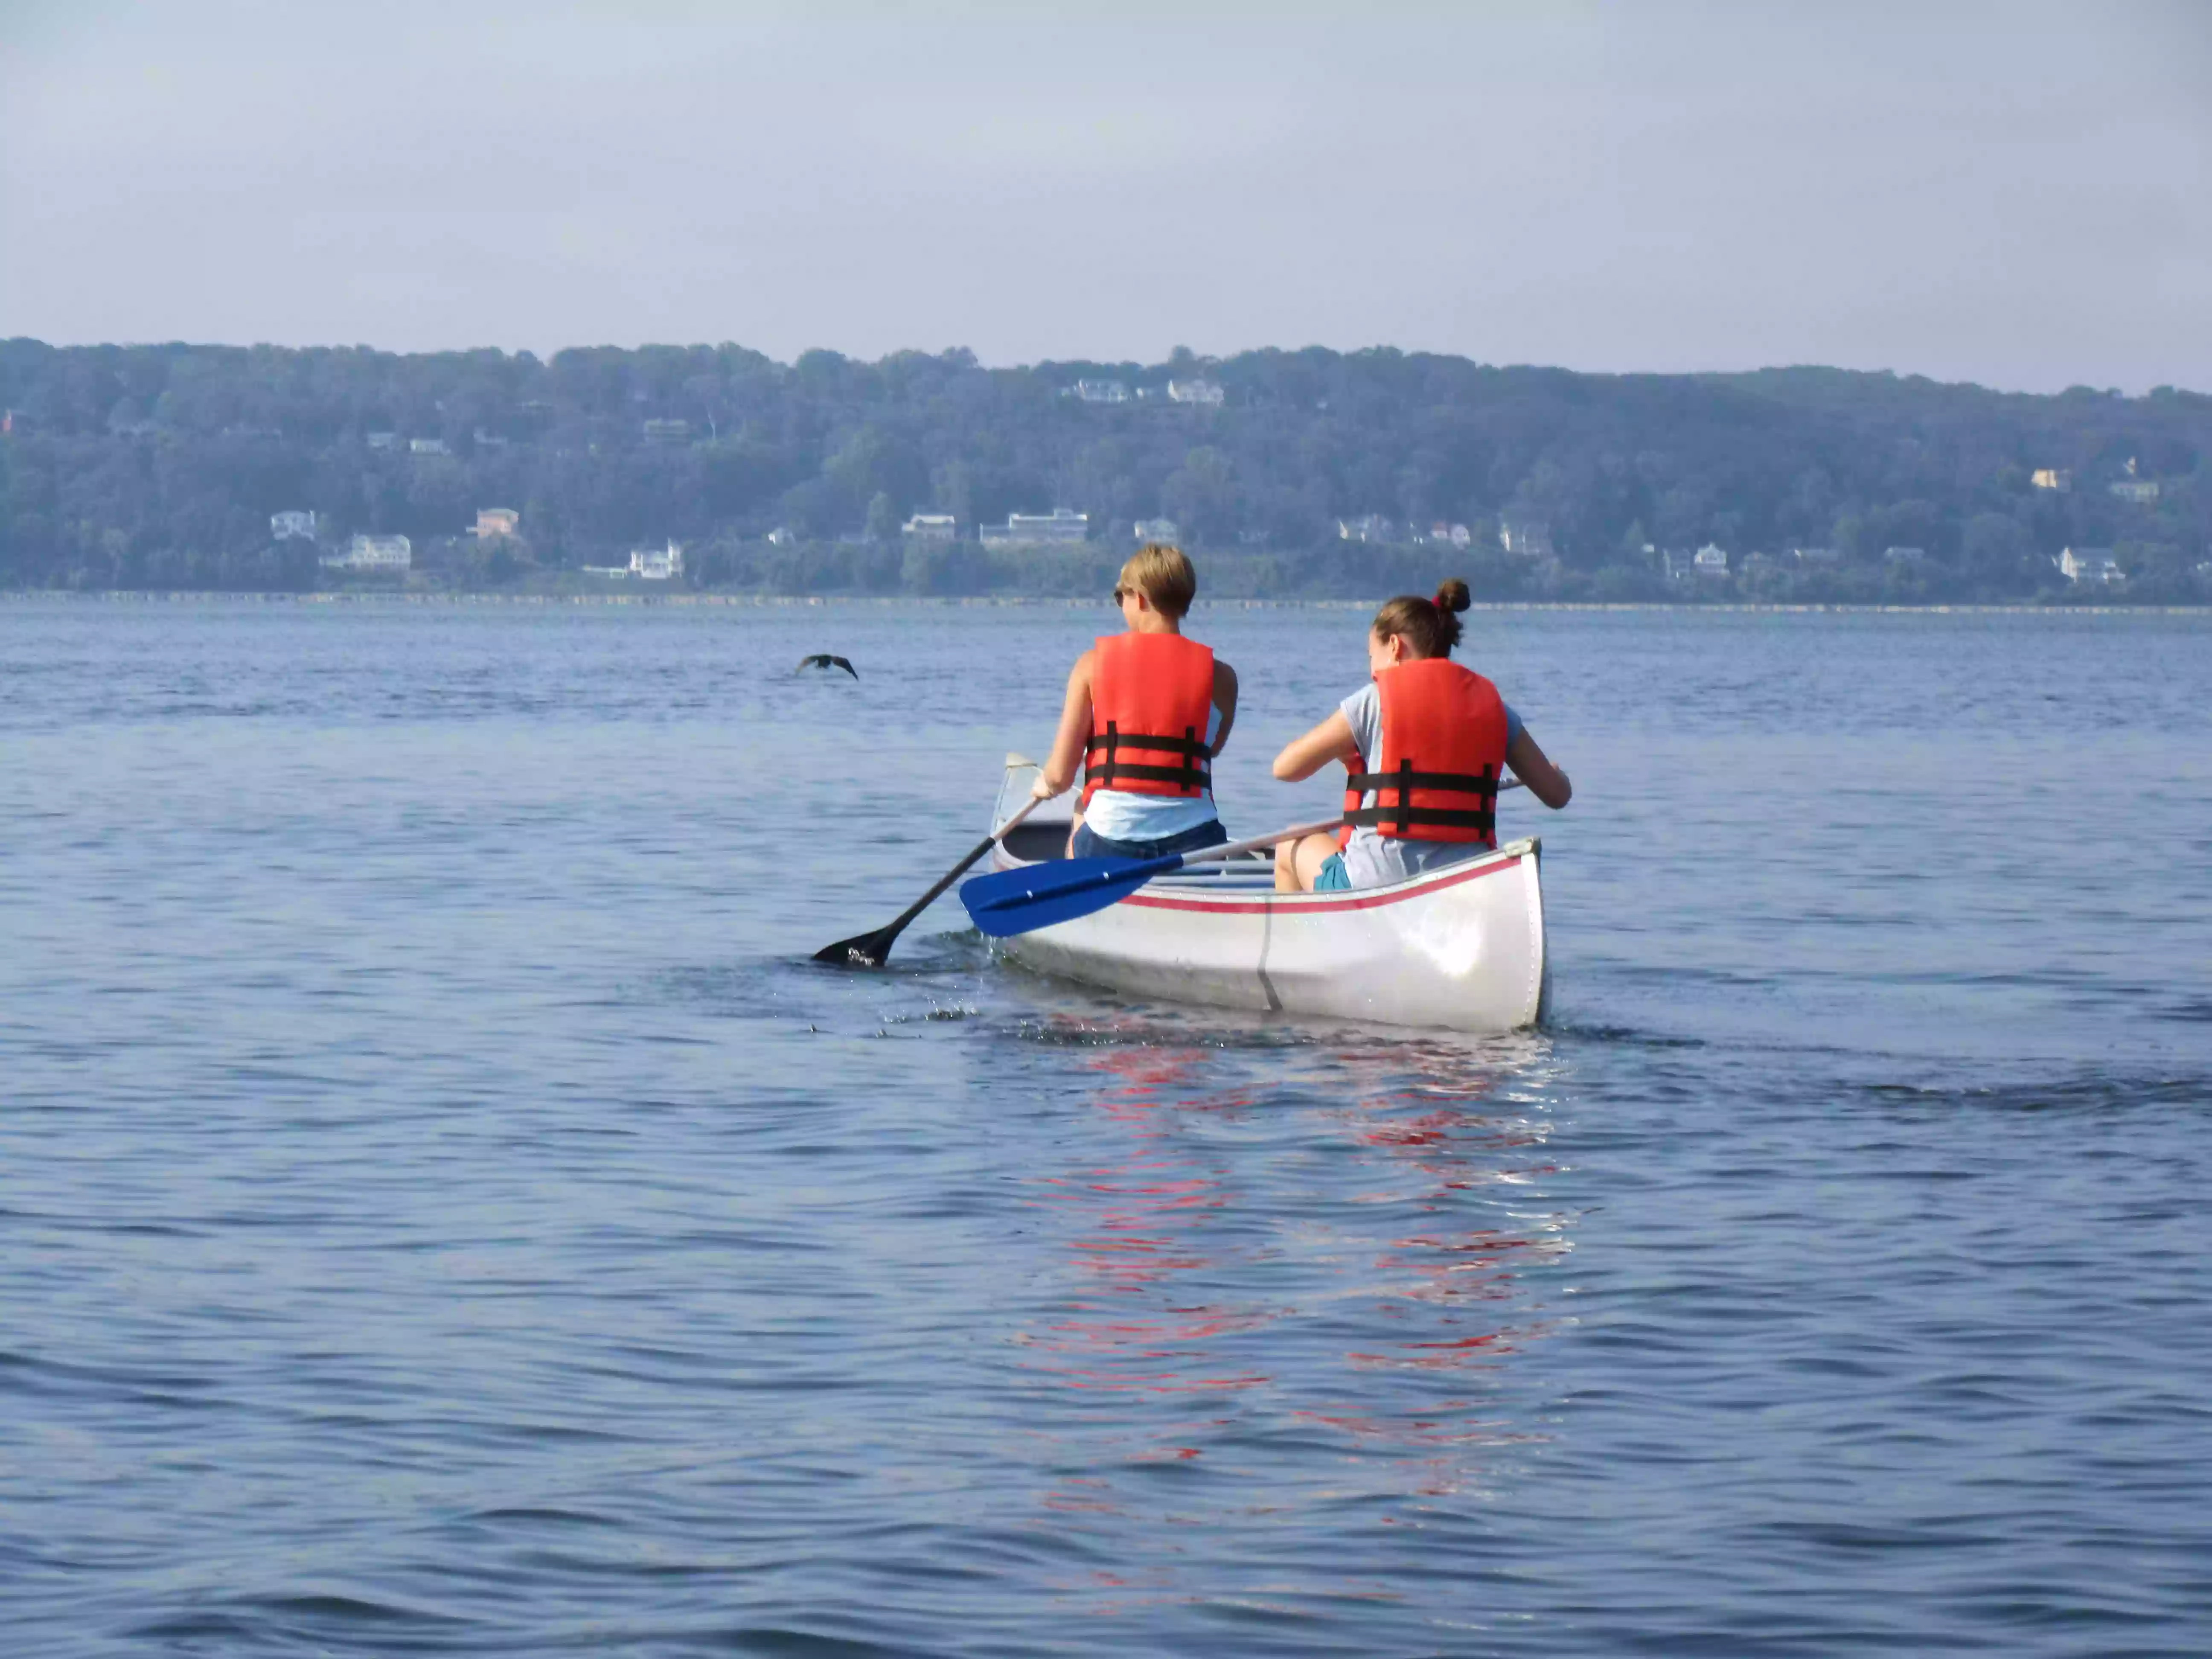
[140,467]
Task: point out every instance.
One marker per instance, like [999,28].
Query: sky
[2014,194]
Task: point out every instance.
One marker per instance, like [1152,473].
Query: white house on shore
[2090,564]
[1525,538]
[1156,530]
[1711,560]
[372,553]
[287,527]
[1061,526]
[931,527]
[646,563]
[1205,392]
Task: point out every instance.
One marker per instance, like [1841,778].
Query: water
[442,1211]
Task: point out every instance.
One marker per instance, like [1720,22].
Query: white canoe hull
[1461,948]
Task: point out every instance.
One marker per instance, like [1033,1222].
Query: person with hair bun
[1440,738]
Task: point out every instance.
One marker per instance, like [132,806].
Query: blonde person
[1146,712]
[1440,737]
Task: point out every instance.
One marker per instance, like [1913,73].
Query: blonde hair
[1164,575]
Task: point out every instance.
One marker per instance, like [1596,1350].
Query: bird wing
[840,663]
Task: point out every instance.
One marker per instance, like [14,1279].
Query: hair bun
[1454,596]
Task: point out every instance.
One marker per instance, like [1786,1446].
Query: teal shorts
[1331,879]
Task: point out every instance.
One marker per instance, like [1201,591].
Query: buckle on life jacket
[1187,775]
[1405,815]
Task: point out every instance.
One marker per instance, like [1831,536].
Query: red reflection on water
[1406,1246]
[1445,1129]
[1136,1236]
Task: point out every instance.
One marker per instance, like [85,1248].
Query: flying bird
[823,660]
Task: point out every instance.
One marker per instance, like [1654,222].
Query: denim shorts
[1331,877]
[1089,845]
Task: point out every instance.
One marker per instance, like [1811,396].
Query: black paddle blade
[874,950]
[868,950]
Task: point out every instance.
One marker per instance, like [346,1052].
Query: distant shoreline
[766,601]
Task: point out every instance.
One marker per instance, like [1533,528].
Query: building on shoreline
[1156,530]
[1099,392]
[648,564]
[496,521]
[2090,564]
[1207,393]
[1525,538]
[372,553]
[293,525]
[1060,527]
[930,527]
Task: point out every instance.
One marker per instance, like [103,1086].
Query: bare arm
[1332,740]
[1224,699]
[1534,768]
[1067,745]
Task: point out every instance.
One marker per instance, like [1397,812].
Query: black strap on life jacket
[1191,775]
[1405,815]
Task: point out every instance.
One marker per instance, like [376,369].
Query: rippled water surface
[443,1211]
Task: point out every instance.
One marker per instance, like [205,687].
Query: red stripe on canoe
[1325,901]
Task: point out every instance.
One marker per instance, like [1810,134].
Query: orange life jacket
[1352,797]
[1151,696]
[1444,751]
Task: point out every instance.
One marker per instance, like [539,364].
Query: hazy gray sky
[2016,194]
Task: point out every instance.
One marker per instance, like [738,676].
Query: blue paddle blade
[1038,894]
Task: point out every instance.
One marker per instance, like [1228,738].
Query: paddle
[1038,894]
[1010,902]
[874,950]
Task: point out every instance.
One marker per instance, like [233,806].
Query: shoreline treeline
[160,466]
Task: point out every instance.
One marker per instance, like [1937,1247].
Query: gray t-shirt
[1373,860]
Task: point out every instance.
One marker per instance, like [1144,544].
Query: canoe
[1460,948]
